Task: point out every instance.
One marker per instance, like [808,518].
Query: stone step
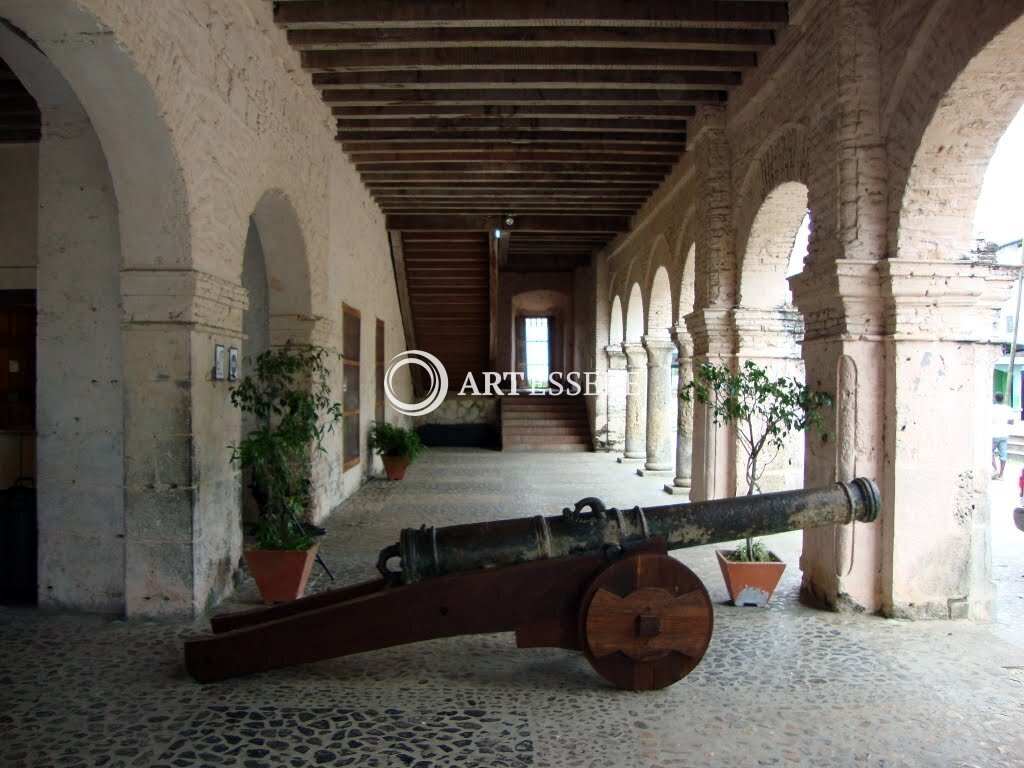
[545,429]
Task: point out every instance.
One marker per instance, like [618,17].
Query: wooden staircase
[544,423]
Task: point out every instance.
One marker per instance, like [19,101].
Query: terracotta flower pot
[281,575]
[750,583]
[395,466]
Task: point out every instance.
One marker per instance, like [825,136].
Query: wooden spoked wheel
[646,622]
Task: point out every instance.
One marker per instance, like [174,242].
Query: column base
[630,459]
[645,472]
[677,490]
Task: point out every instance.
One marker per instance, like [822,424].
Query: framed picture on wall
[233,364]
[218,362]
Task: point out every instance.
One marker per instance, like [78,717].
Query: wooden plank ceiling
[551,120]
[19,114]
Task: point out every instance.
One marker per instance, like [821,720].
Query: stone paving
[784,686]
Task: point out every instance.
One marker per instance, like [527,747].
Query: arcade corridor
[786,685]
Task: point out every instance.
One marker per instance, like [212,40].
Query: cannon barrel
[428,552]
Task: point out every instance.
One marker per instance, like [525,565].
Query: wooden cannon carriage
[595,580]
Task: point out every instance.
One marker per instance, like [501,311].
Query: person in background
[1002,419]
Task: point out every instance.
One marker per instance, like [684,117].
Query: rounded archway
[114,233]
[943,301]
[616,328]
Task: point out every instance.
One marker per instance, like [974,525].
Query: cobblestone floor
[782,686]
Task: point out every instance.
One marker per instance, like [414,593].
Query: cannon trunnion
[598,581]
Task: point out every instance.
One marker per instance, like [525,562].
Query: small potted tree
[398,447]
[289,394]
[765,411]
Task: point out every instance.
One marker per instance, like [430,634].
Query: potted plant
[398,447]
[764,411]
[289,394]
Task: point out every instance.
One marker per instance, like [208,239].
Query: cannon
[592,579]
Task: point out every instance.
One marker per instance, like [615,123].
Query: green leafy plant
[764,411]
[289,393]
[392,440]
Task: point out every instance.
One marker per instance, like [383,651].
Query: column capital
[944,300]
[616,357]
[841,298]
[659,351]
[713,332]
[683,340]
[302,329]
[182,297]
[636,355]
[768,332]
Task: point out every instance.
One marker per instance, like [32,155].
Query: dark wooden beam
[413,59]
[592,79]
[582,125]
[520,176]
[678,38]
[522,97]
[402,286]
[465,111]
[314,14]
[665,139]
[499,157]
[538,223]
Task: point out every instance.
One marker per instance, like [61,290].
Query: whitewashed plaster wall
[216,98]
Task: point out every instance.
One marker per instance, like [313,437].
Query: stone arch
[781,159]
[634,328]
[154,220]
[687,293]
[659,292]
[951,113]
[286,267]
[115,233]
[616,329]
[764,264]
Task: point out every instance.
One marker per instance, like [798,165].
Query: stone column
[615,391]
[680,485]
[182,522]
[936,559]
[710,325]
[843,355]
[635,448]
[714,446]
[659,382]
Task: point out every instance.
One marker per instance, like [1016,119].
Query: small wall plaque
[232,364]
[218,362]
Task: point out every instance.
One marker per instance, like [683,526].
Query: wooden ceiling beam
[375,97]
[443,127]
[731,14]
[547,187]
[666,139]
[456,112]
[607,175]
[585,155]
[415,59]
[675,38]
[604,79]
[539,223]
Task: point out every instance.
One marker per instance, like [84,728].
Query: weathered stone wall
[887,114]
[462,409]
[205,119]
